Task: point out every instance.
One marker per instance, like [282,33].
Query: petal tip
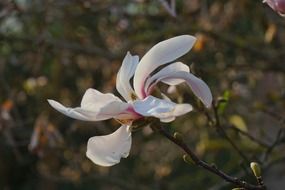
[52,103]
[109,149]
[91,158]
[208,104]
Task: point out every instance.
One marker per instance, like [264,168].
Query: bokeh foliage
[58,49]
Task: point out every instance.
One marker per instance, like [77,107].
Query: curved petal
[167,119]
[163,76]
[124,75]
[181,109]
[75,113]
[160,54]
[271,3]
[198,86]
[165,110]
[96,106]
[277,5]
[94,99]
[109,149]
[151,106]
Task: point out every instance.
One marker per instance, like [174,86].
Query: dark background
[57,49]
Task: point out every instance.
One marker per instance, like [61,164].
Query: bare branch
[211,168]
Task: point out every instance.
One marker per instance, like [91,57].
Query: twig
[274,115]
[211,168]
[223,133]
[248,135]
[12,143]
[274,144]
[274,162]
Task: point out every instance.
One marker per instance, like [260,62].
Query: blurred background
[57,49]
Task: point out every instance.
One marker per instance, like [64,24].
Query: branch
[274,115]
[211,168]
[276,142]
[223,133]
[248,135]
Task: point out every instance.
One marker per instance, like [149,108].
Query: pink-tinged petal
[165,110]
[198,86]
[277,5]
[271,3]
[109,149]
[164,74]
[96,106]
[124,76]
[160,54]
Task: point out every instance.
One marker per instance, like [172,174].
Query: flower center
[124,121]
[133,97]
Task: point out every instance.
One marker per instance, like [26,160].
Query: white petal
[95,106]
[75,113]
[198,86]
[163,76]
[160,54]
[181,109]
[151,106]
[175,67]
[124,75]
[167,119]
[165,110]
[108,150]
[94,99]
[171,89]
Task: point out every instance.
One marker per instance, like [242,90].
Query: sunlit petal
[160,54]
[95,106]
[109,149]
[124,75]
[277,5]
[75,113]
[163,76]
[94,99]
[198,86]
[181,109]
[165,110]
[151,106]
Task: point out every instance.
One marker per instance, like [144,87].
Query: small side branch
[211,168]
[248,135]
[223,133]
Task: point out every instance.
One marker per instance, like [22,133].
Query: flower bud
[255,169]
[178,136]
[188,159]
[277,5]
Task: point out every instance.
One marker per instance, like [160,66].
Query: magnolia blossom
[277,5]
[139,103]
